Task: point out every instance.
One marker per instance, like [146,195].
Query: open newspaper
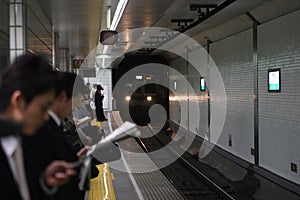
[83,120]
[125,130]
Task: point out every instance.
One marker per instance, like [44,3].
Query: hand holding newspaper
[125,130]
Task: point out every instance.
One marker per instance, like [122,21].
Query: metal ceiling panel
[275,8]
[76,21]
[79,22]
[142,13]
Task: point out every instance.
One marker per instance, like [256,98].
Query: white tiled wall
[279,125]
[179,114]
[191,99]
[233,57]
[279,113]
[200,99]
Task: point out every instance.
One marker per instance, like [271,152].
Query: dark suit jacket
[8,187]
[41,149]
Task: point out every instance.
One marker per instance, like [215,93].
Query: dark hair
[99,87]
[65,83]
[31,75]
[70,83]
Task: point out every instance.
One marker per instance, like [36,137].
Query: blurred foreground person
[27,90]
[50,141]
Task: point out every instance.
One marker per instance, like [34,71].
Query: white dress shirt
[54,117]
[9,145]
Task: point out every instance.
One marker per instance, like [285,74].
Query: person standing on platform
[27,90]
[99,104]
[50,142]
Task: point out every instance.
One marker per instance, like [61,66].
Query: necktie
[18,158]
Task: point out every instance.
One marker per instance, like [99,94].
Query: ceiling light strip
[118,14]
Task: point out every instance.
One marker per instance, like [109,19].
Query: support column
[255,82]
[68,66]
[17,28]
[208,42]
[55,52]
[71,58]
[255,88]
[63,59]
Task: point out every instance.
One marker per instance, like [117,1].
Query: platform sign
[202,84]
[274,80]
[77,63]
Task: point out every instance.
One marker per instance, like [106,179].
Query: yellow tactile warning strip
[96,123]
[102,187]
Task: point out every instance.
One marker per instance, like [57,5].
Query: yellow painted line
[101,187]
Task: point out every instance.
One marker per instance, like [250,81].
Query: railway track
[190,181]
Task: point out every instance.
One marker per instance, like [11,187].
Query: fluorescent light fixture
[104,53]
[108,17]
[104,56]
[118,14]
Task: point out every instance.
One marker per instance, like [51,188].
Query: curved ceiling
[78,22]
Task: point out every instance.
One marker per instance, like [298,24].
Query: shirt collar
[9,144]
[54,117]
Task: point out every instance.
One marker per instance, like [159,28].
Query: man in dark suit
[26,93]
[49,143]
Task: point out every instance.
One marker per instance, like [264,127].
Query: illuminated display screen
[274,80]
[175,85]
[202,84]
[138,77]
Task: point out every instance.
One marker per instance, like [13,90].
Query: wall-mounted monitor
[274,80]
[108,37]
[202,84]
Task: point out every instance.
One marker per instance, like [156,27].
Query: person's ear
[18,104]
[62,97]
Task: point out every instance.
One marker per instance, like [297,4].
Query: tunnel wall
[279,113]
[278,47]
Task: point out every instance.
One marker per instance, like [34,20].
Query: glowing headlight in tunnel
[149,98]
[127,98]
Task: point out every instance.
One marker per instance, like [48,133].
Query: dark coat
[8,187]
[46,146]
[99,106]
